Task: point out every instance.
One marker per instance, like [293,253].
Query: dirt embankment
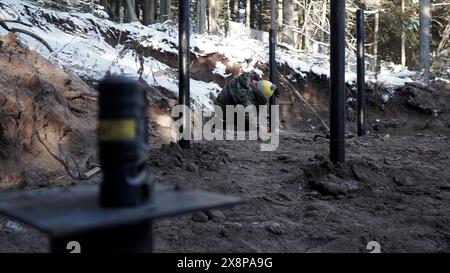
[47,118]
[414,108]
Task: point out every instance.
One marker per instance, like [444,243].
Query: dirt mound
[339,180]
[171,156]
[414,108]
[47,118]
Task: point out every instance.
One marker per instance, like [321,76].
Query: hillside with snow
[93,47]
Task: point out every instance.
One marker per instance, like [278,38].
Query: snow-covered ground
[79,46]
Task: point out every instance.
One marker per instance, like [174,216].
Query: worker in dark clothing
[247,89]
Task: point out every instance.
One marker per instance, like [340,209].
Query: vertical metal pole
[361,71]
[337,78]
[272,55]
[184,95]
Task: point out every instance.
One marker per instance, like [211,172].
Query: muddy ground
[297,201]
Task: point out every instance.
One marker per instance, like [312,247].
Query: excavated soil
[47,119]
[297,201]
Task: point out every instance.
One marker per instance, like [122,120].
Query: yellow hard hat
[266,88]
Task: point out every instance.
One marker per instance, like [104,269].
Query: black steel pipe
[272,60]
[272,70]
[272,55]
[184,94]
[361,71]
[337,79]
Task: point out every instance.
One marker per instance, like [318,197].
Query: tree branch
[18,30]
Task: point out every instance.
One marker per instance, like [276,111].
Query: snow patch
[221,70]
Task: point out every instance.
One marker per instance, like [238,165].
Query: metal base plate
[65,211]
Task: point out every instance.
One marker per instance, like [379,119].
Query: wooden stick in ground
[91,173]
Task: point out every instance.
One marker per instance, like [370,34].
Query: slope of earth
[47,117]
[297,201]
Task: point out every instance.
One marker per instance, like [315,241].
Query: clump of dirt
[414,108]
[198,157]
[342,179]
[426,99]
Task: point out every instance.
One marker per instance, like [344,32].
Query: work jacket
[240,91]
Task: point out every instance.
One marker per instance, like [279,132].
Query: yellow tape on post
[117,130]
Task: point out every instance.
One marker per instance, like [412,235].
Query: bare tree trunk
[201,16]
[105,4]
[376,32]
[212,17]
[236,9]
[288,19]
[300,16]
[323,24]
[248,12]
[257,15]
[146,12]
[92,7]
[164,10]
[425,35]
[132,11]
[151,11]
[307,43]
[403,49]
[228,19]
[280,20]
[117,5]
